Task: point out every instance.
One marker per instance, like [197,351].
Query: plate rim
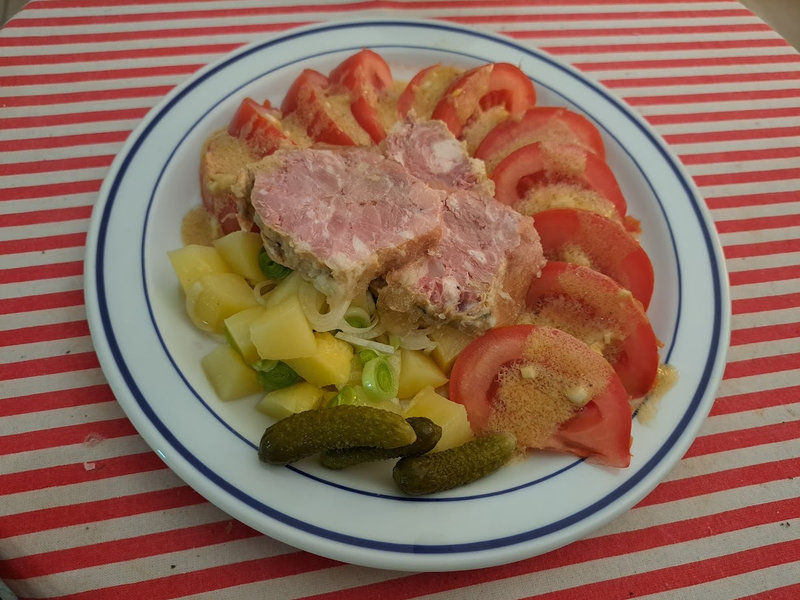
[100,323]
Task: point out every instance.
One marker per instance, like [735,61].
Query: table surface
[715,81]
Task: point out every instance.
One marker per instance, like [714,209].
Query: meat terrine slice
[475,278]
[343,216]
[429,150]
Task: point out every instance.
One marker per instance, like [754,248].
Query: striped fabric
[88,511]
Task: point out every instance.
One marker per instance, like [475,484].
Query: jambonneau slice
[475,278]
[343,217]
[477,275]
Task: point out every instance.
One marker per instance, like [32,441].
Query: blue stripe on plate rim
[483,545]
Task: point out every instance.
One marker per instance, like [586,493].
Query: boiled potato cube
[217,296]
[283,332]
[450,416]
[240,249]
[230,377]
[418,370]
[299,397]
[329,365]
[193,261]
[237,332]
[285,289]
[449,344]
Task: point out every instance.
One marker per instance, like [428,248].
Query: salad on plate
[441,274]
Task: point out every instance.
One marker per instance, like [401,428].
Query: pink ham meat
[343,216]
[428,150]
[475,278]
[477,275]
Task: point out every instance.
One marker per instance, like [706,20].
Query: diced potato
[230,377]
[193,262]
[217,296]
[329,365]
[449,344]
[450,416]
[240,249]
[283,332]
[296,398]
[418,370]
[285,289]
[237,332]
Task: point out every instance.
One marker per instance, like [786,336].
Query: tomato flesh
[308,78]
[258,126]
[305,101]
[541,123]
[539,164]
[409,95]
[597,310]
[600,430]
[482,88]
[584,237]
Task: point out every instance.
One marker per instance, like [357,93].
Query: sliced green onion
[349,394]
[357,317]
[379,379]
[271,269]
[366,355]
[274,375]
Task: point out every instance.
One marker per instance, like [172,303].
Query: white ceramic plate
[151,354]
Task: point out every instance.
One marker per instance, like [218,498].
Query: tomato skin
[600,431]
[537,164]
[607,246]
[540,123]
[578,299]
[366,75]
[481,88]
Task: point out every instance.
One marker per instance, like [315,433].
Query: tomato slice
[539,165]
[407,98]
[308,78]
[481,88]
[258,125]
[586,238]
[364,69]
[599,430]
[366,75]
[425,90]
[510,87]
[598,311]
[539,124]
[305,101]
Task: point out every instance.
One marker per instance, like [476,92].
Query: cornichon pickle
[439,471]
[306,433]
[428,434]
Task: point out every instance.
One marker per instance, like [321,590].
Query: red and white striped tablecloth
[88,511]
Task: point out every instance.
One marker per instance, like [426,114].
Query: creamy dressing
[199,227]
[666,379]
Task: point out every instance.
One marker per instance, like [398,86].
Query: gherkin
[440,471]
[428,435]
[344,426]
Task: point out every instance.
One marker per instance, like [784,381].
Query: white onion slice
[309,301]
[357,341]
[416,340]
[260,293]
